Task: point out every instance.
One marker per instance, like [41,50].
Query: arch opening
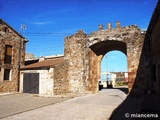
[114,70]
[102,48]
[97,53]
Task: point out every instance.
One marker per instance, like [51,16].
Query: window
[8,54]
[7,74]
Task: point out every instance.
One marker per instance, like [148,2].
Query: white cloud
[39,23]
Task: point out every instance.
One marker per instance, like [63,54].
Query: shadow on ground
[123,89]
[138,107]
[141,107]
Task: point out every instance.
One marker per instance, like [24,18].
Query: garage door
[31,83]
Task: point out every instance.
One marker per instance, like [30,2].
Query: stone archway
[84,53]
[97,52]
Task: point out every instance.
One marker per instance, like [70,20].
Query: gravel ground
[91,107]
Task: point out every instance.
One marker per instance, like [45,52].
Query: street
[17,103]
[91,107]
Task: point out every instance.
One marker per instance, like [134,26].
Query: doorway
[31,83]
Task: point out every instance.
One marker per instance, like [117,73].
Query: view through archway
[114,70]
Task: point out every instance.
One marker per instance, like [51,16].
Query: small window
[7,74]
[8,54]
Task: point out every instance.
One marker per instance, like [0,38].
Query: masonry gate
[85,52]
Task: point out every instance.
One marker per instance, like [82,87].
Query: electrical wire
[44,34]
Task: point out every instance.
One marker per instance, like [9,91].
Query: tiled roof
[44,63]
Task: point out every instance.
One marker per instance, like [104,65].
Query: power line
[47,33]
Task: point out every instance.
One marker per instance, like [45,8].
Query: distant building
[121,76]
[29,56]
[107,76]
[126,77]
[12,56]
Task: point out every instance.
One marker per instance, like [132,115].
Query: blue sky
[48,22]
[114,61]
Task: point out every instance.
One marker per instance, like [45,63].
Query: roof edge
[14,30]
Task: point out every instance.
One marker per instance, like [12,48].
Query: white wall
[46,82]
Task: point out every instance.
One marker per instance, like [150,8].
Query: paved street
[18,103]
[91,107]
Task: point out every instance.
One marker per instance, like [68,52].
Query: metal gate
[31,83]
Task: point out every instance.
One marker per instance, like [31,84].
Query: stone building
[29,56]
[153,34]
[45,77]
[12,53]
[148,74]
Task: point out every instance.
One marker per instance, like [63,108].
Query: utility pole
[107,68]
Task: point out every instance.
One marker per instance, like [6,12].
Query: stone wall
[84,53]
[75,53]
[154,35]
[134,48]
[93,72]
[148,74]
[128,39]
[8,36]
[60,76]
[29,56]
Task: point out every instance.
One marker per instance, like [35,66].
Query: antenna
[23,28]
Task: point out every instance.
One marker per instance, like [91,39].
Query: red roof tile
[44,63]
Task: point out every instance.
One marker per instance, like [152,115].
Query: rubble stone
[8,36]
[83,76]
